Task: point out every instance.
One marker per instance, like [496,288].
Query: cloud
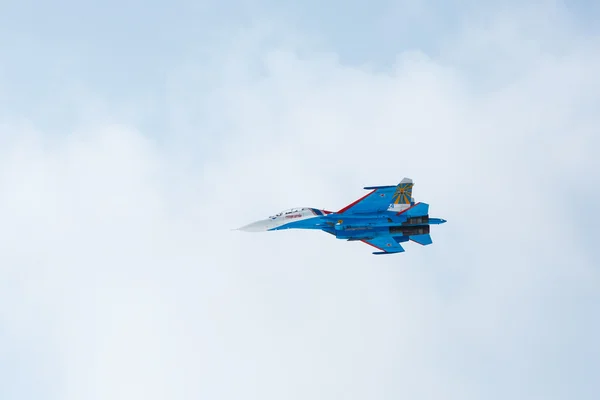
[120,271]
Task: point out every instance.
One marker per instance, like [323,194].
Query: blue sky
[134,135]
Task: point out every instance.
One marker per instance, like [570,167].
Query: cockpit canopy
[289,211]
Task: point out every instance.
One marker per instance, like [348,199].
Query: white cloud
[117,255]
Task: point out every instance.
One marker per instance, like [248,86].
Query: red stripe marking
[403,211]
[371,244]
[356,202]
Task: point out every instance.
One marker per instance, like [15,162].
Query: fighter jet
[383,218]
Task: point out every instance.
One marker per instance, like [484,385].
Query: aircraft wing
[380,198]
[385,245]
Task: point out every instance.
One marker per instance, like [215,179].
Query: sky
[135,135]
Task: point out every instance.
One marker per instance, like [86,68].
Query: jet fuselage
[383,218]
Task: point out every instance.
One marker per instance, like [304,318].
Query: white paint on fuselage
[280,219]
[398,207]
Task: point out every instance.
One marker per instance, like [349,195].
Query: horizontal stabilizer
[385,244]
[422,239]
[417,210]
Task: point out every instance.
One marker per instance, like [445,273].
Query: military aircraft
[383,218]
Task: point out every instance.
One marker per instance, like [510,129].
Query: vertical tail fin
[403,194]
[402,197]
[424,239]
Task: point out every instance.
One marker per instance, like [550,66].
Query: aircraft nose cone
[443,221]
[258,226]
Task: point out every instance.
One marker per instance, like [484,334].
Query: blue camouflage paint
[383,218]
